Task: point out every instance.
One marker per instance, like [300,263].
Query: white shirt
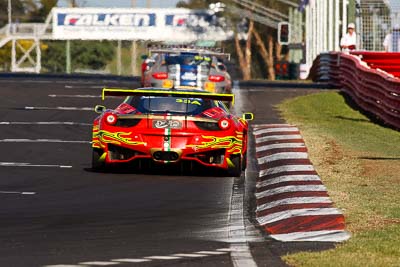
[388,43]
[348,39]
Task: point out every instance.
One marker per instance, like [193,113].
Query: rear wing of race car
[201,50]
[191,94]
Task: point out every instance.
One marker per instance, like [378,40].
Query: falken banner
[175,24]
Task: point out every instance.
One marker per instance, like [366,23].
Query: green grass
[372,248]
[329,113]
[359,162]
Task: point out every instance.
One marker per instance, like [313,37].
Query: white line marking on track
[286,168]
[282,156]
[85,87]
[211,252]
[189,255]
[60,108]
[273,130]
[290,188]
[23,164]
[294,200]
[44,123]
[42,141]
[99,263]
[19,193]
[278,216]
[77,96]
[192,255]
[162,258]
[278,137]
[288,178]
[240,252]
[131,260]
[225,249]
[278,146]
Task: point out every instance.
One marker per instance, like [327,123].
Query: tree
[41,11]
[18,11]
[91,54]
[255,43]
[244,54]
[267,54]
[85,55]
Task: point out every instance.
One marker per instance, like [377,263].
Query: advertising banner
[174,25]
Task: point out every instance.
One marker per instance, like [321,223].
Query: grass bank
[359,162]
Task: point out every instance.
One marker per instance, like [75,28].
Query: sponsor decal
[188,101]
[107,19]
[232,143]
[199,19]
[189,76]
[174,24]
[117,138]
[170,124]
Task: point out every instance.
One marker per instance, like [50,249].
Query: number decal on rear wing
[166,93]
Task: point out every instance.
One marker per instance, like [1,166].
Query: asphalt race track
[54,211]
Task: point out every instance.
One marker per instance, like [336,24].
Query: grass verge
[359,162]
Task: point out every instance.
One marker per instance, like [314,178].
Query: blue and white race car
[189,68]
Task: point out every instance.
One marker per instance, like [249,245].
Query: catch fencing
[375,89]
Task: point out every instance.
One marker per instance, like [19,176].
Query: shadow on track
[160,169]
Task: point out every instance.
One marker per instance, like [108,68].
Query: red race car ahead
[168,126]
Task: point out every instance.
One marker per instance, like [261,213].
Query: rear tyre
[236,169]
[98,164]
[244,162]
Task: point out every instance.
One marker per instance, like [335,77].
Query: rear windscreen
[187,59]
[171,105]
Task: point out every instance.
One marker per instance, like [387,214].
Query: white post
[315,40]
[344,20]
[68,56]
[13,56]
[337,26]
[38,56]
[134,58]
[331,39]
[9,12]
[308,36]
[119,62]
[320,23]
[293,29]
[324,26]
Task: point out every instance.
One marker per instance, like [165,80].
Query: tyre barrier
[369,78]
[292,202]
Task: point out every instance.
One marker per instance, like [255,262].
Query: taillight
[216,78]
[111,119]
[207,126]
[160,75]
[224,124]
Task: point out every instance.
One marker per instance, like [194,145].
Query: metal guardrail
[375,91]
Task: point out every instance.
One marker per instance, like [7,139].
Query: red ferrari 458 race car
[170,127]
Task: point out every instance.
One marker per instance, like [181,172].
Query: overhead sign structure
[174,25]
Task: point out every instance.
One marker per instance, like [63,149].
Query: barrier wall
[369,78]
